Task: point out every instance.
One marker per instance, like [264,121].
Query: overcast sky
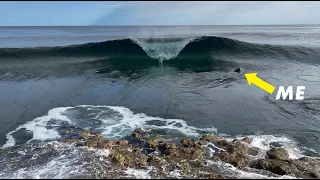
[47,13]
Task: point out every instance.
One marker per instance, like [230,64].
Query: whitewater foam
[156,49]
[55,160]
[138,173]
[39,126]
[264,143]
[113,122]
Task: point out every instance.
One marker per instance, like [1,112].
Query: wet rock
[118,143]
[136,135]
[185,166]
[192,143]
[279,167]
[167,148]
[211,138]
[236,159]
[70,140]
[84,134]
[212,176]
[121,160]
[278,153]
[246,140]
[310,167]
[198,154]
[139,130]
[314,174]
[153,142]
[126,159]
[91,143]
[190,155]
[185,142]
[197,163]
[239,148]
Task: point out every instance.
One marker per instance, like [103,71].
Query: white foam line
[175,173]
[124,121]
[38,127]
[138,173]
[140,119]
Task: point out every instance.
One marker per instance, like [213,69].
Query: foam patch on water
[54,160]
[100,152]
[40,126]
[113,122]
[175,173]
[138,173]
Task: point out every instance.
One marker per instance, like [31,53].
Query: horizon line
[150,25]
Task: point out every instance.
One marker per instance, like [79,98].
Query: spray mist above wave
[163,49]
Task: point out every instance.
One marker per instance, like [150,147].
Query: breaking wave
[162,49]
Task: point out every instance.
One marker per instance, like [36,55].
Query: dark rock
[136,135]
[197,163]
[79,144]
[153,142]
[310,166]
[185,166]
[191,156]
[276,166]
[84,134]
[278,153]
[167,148]
[185,142]
[236,159]
[126,159]
[213,176]
[211,138]
[192,143]
[313,174]
[246,140]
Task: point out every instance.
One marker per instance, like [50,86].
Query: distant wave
[165,49]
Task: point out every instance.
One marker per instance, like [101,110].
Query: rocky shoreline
[162,157]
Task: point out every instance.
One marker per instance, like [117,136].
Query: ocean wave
[163,49]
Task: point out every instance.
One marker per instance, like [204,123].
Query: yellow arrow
[252,78]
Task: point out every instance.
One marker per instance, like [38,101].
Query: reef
[163,157]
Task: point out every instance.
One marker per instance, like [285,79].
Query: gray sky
[158,13]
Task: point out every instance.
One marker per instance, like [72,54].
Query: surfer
[238,70]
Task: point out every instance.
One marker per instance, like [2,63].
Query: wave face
[164,49]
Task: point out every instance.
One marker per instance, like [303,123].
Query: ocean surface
[177,80]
